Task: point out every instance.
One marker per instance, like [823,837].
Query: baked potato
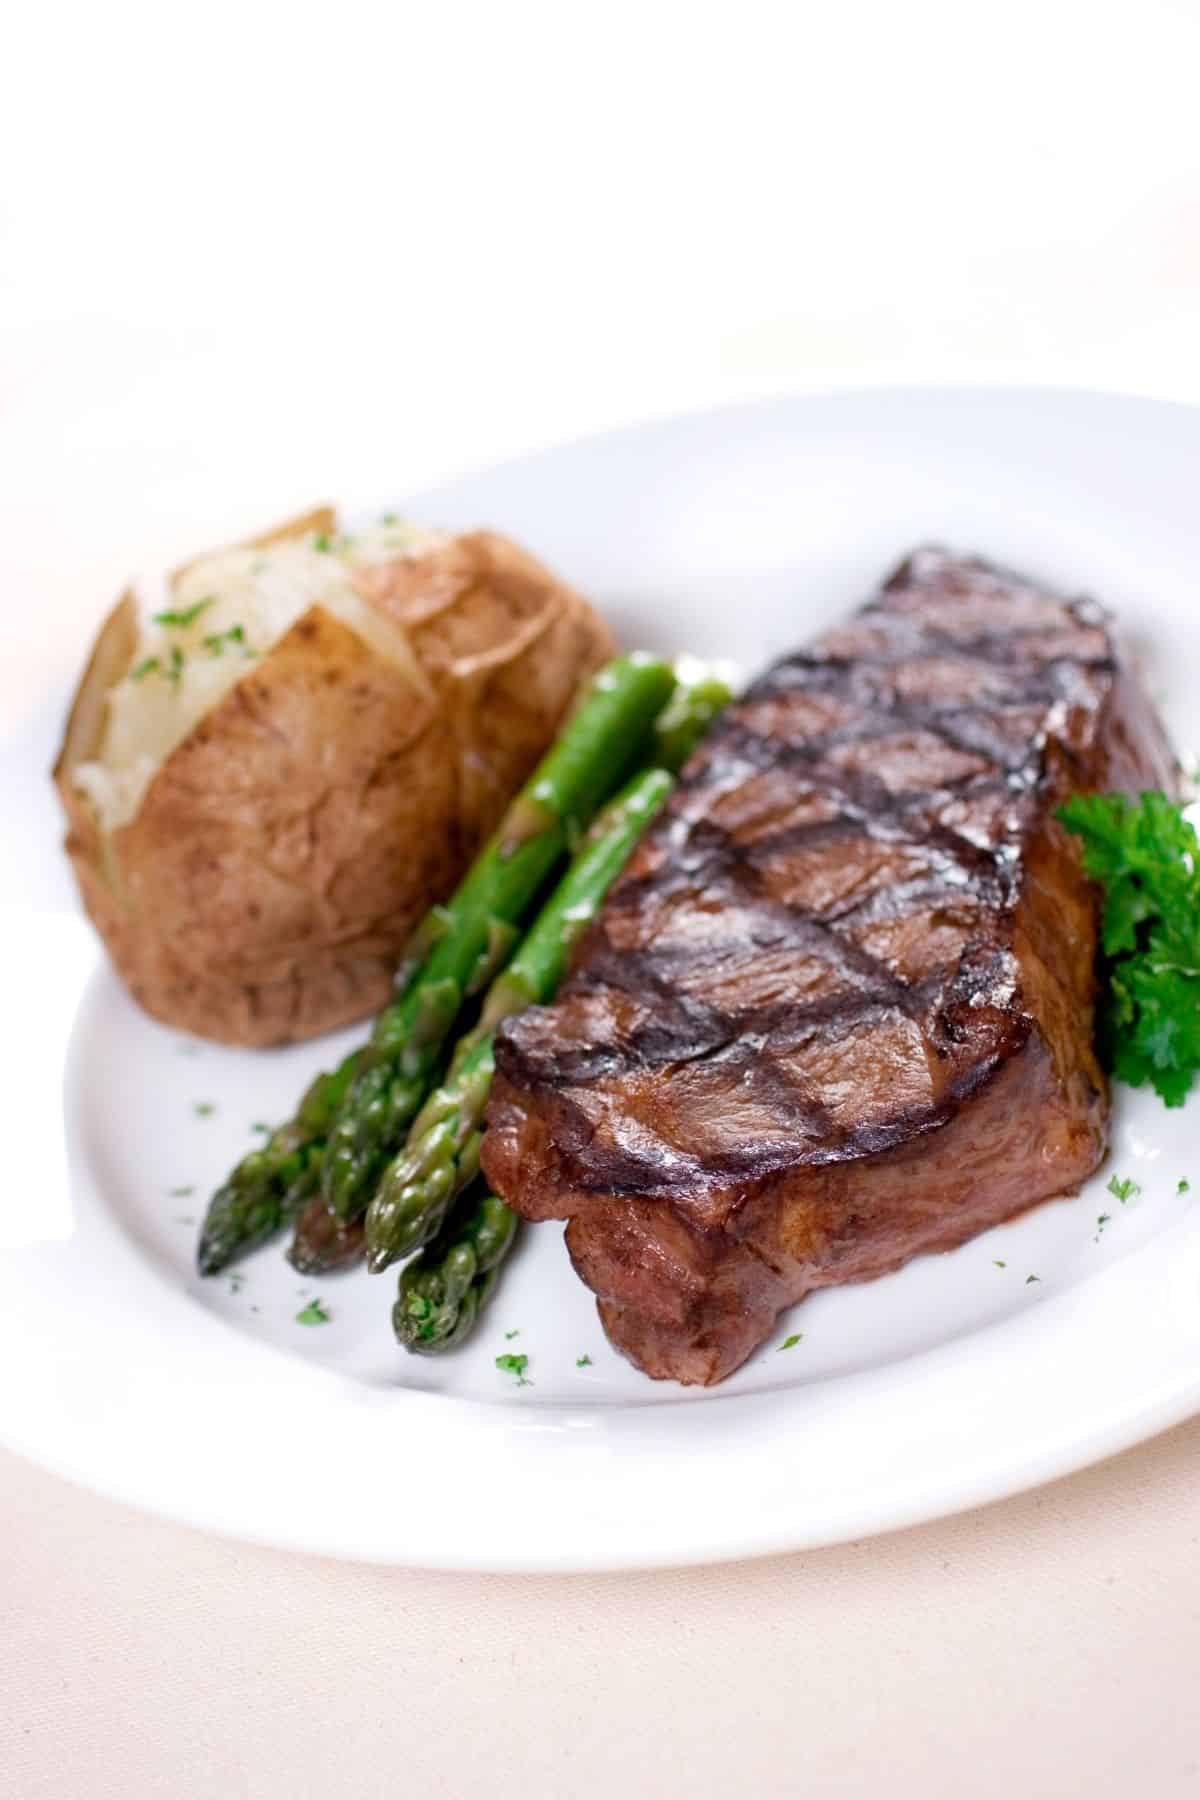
[269,778]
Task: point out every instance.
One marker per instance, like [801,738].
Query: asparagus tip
[211,1255]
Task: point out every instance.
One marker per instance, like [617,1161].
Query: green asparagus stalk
[471,935]
[269,1186]
[442,1152]
[443,1291]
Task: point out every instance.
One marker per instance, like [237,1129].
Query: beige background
[1045,1647]
[249,256]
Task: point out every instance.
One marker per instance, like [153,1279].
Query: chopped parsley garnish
[998,1263]
[260,1127]
[511,1334]
[581,1362]
[1185,1187]
[1030,1278]
[216,641]
[182,616]
[323,542]
[181,1193]
[1101,1222]
[1147,857]
[789,1343]
[312,1314]
[236,1283]
[514,1365]
[1123,1190]
[203,1109]
[390,519]
[171,670]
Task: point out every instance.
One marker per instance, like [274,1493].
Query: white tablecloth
[253,256]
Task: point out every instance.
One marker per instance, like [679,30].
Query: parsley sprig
[1147,858]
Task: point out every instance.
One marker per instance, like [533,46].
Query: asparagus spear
[442,1152]
[471,935]
[269,1186]
[443,1290]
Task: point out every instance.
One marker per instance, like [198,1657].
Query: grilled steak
[838,1011]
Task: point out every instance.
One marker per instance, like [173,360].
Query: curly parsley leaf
[1146,856]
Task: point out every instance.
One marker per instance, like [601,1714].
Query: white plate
[955,1381]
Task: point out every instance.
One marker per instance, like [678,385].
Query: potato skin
[286,848]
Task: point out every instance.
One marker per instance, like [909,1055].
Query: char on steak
[838,1011]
